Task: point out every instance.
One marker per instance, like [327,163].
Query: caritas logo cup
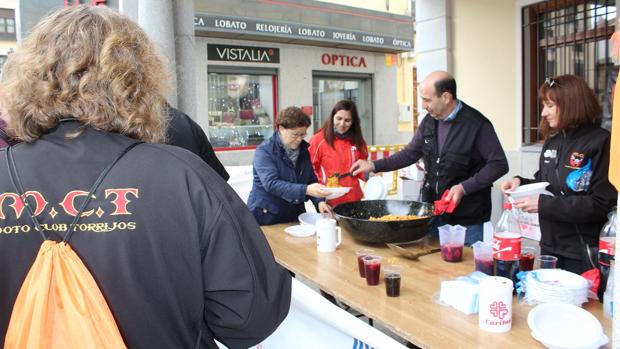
[495,304]
[507,246]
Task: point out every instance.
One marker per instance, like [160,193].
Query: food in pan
[393,217]
[332,181]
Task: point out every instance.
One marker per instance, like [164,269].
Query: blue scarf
[292,154]
[347,134]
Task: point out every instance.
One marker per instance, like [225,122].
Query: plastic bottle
[606,250]
[608,297]
[507,221]
[507,245]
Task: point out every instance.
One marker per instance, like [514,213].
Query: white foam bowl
[309,218]
[565,326]
[528,190]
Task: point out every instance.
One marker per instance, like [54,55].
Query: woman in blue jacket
[283,174]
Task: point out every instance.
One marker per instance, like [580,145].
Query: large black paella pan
[354,216]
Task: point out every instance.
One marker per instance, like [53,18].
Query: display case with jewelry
[241,109]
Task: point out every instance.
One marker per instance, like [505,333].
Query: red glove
[443,206]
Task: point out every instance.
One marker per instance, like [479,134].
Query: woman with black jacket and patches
[575,161]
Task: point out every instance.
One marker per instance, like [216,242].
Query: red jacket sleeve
[316,155]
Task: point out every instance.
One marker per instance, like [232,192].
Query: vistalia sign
[243,53]
[343,60]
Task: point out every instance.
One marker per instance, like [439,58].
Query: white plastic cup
[546,262]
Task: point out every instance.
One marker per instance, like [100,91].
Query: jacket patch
[550,154]
[575,160]
[579,179]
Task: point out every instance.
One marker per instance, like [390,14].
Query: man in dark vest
[461,154]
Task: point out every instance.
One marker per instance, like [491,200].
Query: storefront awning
[294,33]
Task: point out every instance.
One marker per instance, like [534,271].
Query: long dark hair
[328,126]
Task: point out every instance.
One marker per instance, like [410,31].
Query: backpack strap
[19,188]
[17,185]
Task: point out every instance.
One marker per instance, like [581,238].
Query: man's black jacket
[186,133]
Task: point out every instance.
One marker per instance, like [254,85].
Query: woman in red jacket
[335,147]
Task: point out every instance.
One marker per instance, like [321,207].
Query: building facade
[8,28]
[250,59]
[518,43]
[259,57]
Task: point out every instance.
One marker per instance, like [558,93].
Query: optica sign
[343,60]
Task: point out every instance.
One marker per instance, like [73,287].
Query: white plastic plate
[565,326]
[336,192]
[375,189]
[528,190]
[300,231]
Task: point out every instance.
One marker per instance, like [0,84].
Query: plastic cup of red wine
[483,257]
[528,254]
[392,276]
[360,260]
[372,269]
[451,241]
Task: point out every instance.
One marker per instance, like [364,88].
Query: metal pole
[185,56]
[156,18]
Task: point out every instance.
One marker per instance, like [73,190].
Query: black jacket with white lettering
[170,244]
[569,212]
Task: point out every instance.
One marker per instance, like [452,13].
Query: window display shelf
[239,136]
[241,110]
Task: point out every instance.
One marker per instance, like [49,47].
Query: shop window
[7,24]
[10,25]
[241,110]
[566,37]
[330,87]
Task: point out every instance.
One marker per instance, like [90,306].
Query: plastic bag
[594,277]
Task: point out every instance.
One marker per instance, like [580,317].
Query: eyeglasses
[296,134]
[550,82]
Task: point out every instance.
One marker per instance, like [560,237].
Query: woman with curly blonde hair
[177,255]
[89,64]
